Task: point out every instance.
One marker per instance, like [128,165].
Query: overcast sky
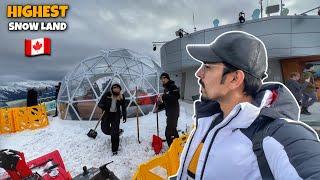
[101,24]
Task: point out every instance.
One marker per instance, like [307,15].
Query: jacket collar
[169,83]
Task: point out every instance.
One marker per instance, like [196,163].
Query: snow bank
[23,85]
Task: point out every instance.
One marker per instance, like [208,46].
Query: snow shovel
[156,139]
[157,119]
[156,144]
[163,140]
[93,133]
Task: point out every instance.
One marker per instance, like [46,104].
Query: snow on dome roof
[83,87]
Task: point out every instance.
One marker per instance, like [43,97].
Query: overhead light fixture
[242,16]
[180,33]
[157,43]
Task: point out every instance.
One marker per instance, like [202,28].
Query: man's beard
[202,87]
[201,82]
[204,94]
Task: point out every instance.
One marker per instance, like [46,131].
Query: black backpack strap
[257,147]
[256,132]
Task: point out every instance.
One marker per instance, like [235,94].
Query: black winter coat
[105,104]
[32,98]
[296,88]
[57,90]
[170,98]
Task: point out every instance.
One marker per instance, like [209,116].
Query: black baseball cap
[237,48]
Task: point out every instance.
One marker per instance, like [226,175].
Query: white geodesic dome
[82,88]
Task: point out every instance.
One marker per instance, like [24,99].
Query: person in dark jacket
[56,97]
[32,97]
[309,95]
[169,101]
[113,105]
[57,90]
[295,86]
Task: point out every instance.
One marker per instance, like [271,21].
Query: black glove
[124,119]
[9,159]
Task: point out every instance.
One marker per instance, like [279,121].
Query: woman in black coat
[113,103]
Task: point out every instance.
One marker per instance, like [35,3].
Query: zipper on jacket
[214,136]
[185,158]
[210,128]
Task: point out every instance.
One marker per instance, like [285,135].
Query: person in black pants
[113,103]
[169,101]
[56,97]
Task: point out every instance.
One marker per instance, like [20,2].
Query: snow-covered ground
[315,114]
[78,150]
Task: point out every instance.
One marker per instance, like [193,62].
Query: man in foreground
[243,128]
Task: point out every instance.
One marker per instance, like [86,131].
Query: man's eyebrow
[210,63]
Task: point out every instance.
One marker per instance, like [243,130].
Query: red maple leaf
[37,46]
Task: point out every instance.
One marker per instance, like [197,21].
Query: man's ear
[238,79]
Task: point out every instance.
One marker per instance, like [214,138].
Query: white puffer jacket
[227,152]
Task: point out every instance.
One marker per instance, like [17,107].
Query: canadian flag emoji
[34,47]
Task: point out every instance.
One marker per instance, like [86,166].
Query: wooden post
[137,114]
[157,117]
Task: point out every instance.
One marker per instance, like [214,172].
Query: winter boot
[120,132]
[305,111]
